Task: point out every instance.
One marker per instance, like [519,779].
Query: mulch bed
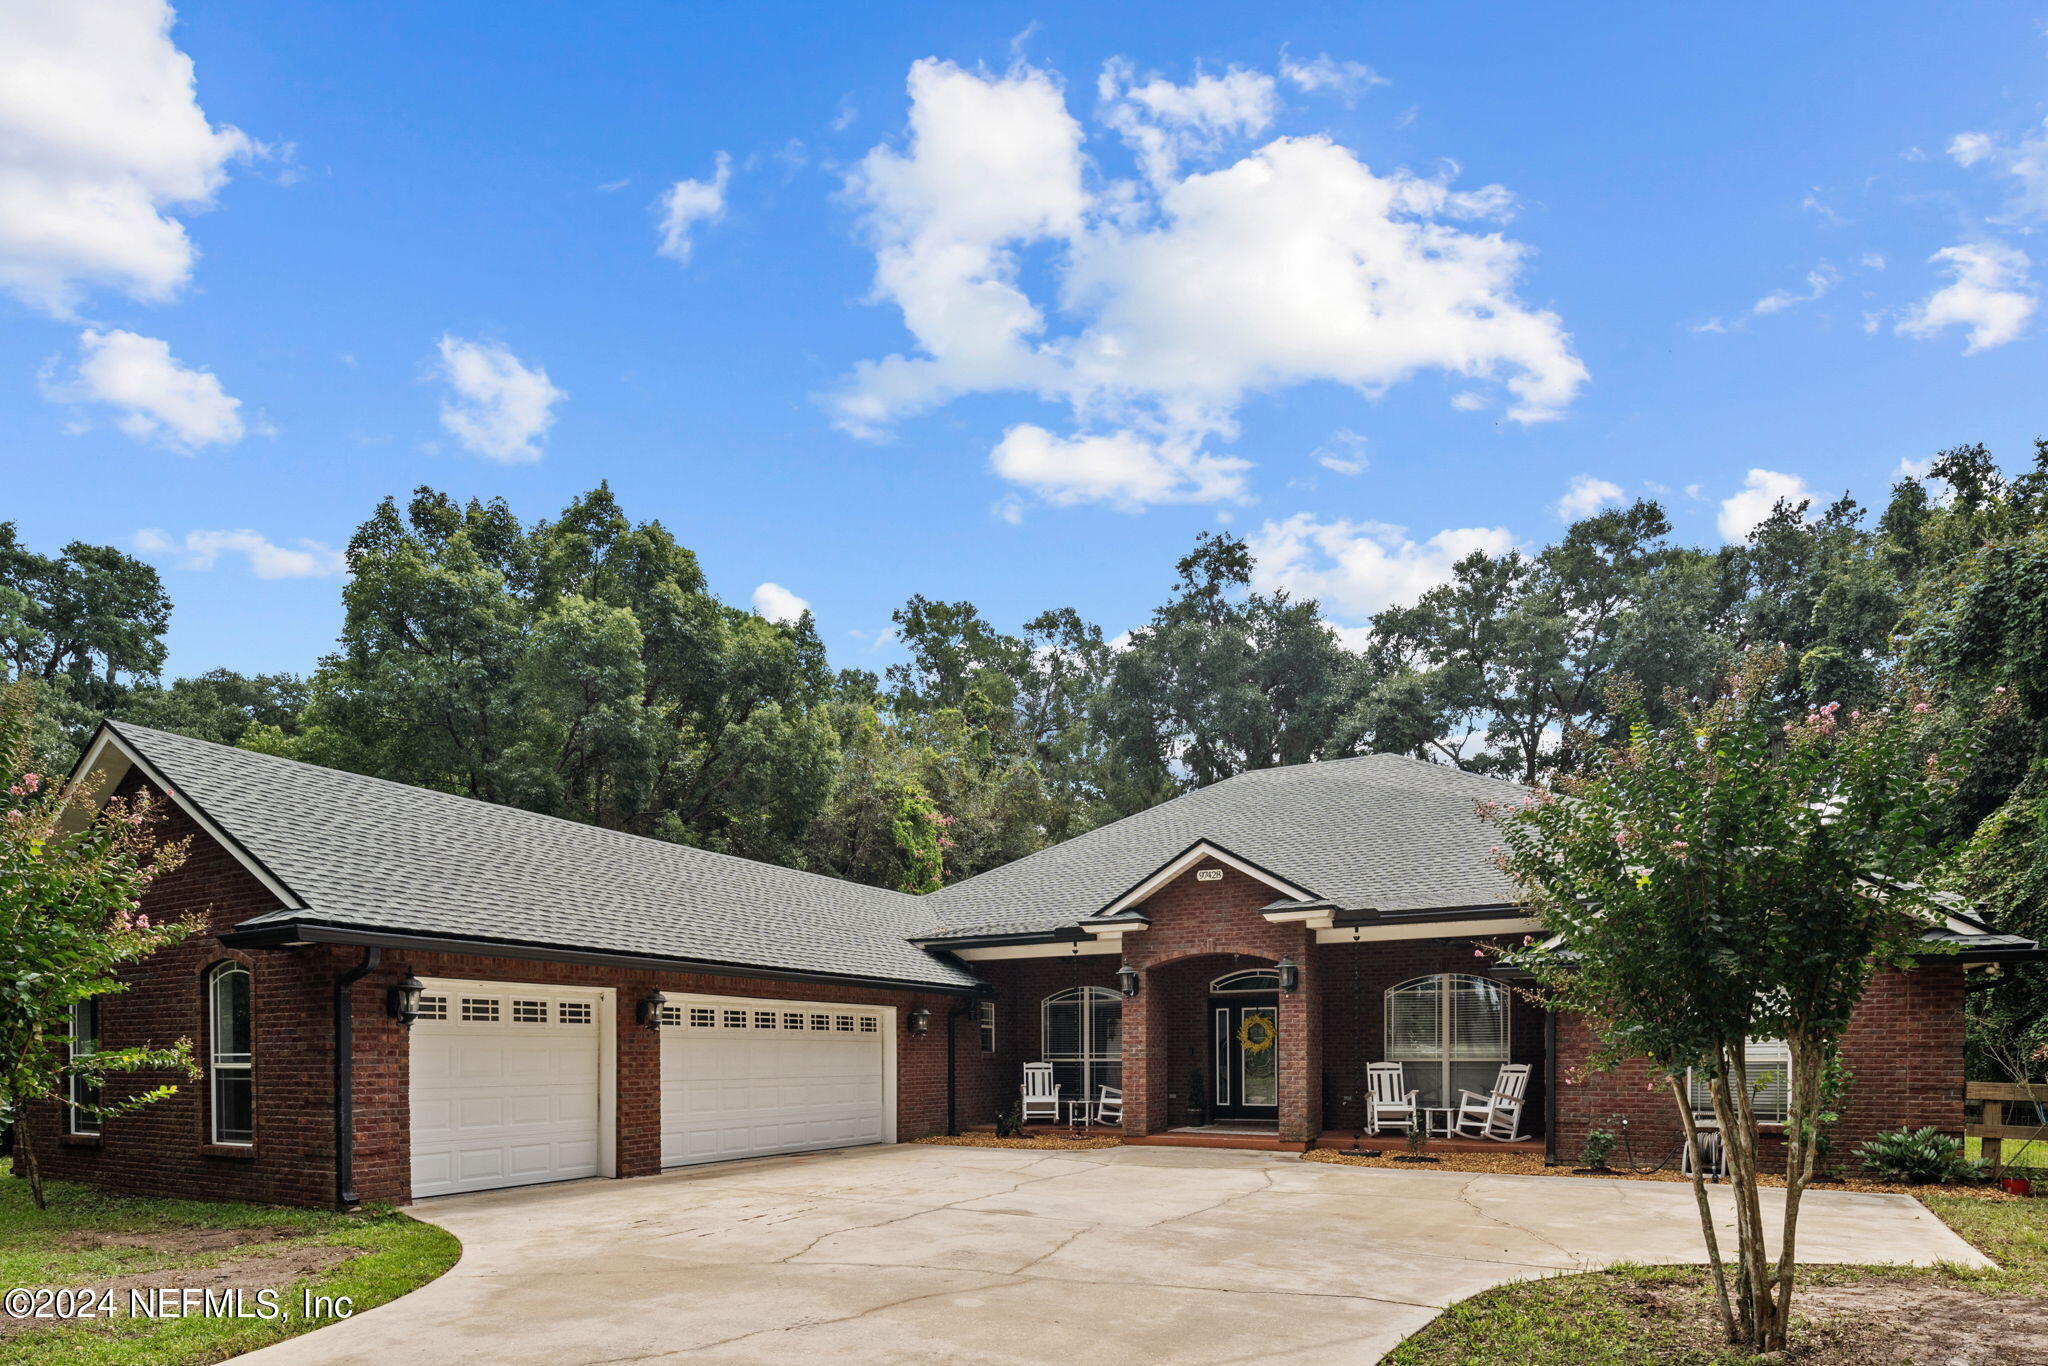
[1531,1164]
[1048,1143]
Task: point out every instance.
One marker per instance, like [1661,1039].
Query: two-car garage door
[750,1078]
[511,1082]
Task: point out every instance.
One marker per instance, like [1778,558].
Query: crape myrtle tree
[70,918]
[1734,876]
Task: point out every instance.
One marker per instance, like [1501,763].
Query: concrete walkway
[1134,1255]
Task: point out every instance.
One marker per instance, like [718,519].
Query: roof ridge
[127,728]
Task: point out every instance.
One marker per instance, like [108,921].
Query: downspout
[1549,1088]
[952,1074]
[345,1079]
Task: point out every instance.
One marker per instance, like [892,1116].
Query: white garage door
[743,1078]
[506,1081]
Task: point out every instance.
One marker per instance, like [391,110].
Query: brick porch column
[1147,1058]
[1301,1049]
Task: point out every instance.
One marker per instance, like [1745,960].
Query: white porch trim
[1430,929]
[1201,851]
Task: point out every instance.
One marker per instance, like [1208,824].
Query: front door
[1245,1042]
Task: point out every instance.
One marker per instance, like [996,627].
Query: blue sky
[1368,284]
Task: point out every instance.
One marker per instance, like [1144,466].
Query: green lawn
[1632,1316]
[43,1248]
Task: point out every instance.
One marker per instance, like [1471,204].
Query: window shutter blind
[1415,1021]
[1479,1020]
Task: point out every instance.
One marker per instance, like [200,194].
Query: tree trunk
[1802,1115]
[25,1150]
[1699,1191]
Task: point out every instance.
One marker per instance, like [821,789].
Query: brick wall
[1904,1044]
[163,1149]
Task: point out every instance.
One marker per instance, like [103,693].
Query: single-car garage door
[745,1078]
[507,1081]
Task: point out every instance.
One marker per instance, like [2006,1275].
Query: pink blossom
[141,922]
[32,781]
[1527,940]
[17,791]
[1479,953]
[1920,707]
[1999,688]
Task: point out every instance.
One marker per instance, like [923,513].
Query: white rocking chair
[1041,1093]
[1389,1101]
[1109,1106]
[1495,1114]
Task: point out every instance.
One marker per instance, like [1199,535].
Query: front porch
[1267,1050]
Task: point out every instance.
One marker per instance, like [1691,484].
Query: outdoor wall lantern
[650,1009]
[403,1000]
[1127,981]
[919,1021]
[1290,975]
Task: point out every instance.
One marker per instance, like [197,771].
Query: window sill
[238,1152]
[78,1140]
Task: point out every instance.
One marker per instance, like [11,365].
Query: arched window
[1450,1031]
[231,1074]
[1265,980]
[1083,1039]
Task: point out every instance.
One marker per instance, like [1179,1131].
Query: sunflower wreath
[1256,1034]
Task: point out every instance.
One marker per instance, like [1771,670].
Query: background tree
[1732,877]
[70,917]
[581,668]
[1224,680]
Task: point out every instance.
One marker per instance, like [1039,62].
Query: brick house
[399,993]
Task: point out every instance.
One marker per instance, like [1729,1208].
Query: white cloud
[1325,73]
[777,603]
[101,140]
[501,408]
[1873,260]
[202,550]
[154,397]
[1991,294]
[1125,468]
[688,203]
[1710,325]
[1761,491]
[1585,497]
[1185,292]
[2024,162]
[1164,123]
[1358,568]
[1345,453]
[1819,281]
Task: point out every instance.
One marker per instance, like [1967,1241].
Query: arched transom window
[1450,1033]
[1083,1035]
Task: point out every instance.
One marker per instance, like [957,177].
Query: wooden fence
[1992,1128]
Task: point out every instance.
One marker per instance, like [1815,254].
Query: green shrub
[1918,1157]
[1010,1122]
[1598,1145]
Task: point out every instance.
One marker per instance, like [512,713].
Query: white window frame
[985,1023]
[1093,1061]
[1776,1056]
[85,1041]
[1446,1057]
[222,1063]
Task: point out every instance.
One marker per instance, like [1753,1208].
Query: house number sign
[1208,875]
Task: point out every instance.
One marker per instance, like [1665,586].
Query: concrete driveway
[920,1254]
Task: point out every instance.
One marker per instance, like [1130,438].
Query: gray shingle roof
[1380,832]
[372,854]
